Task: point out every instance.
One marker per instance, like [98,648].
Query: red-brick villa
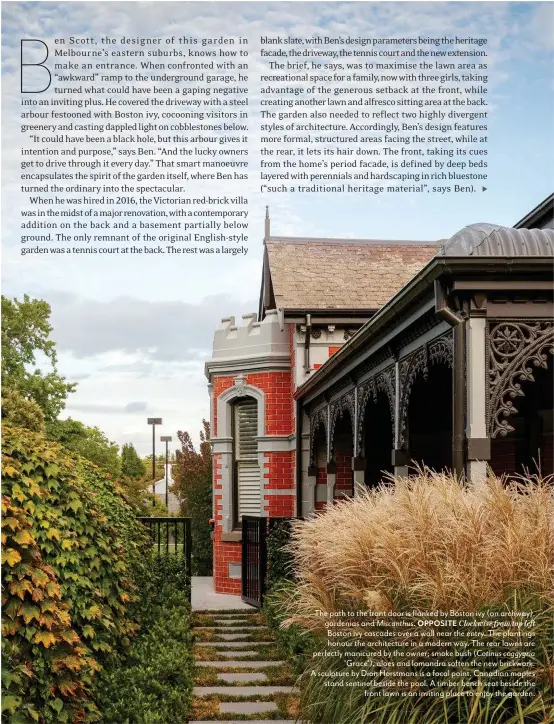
[368,356]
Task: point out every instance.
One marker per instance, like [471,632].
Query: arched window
[246,478]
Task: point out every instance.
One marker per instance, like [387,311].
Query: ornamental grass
[427,543]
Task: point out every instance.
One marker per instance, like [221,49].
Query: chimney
[267,223]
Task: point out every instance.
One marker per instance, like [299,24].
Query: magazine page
[277,365]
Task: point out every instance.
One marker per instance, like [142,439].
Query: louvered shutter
[246,458]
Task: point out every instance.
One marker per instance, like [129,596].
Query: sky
[134,332]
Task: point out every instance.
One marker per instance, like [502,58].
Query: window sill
[234,536]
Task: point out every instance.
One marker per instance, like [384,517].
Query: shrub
[296,643]
[153,685]
[427,543]
[279,557]
[72,553]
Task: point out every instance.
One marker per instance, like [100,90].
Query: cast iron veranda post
[154,421]
[167,439]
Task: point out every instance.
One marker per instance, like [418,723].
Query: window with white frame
[246,479]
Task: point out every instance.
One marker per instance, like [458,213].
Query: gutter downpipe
[307,342]
[457,323]
[298,461]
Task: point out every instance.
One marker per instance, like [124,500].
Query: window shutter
[246,458]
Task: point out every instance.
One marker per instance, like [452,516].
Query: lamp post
[154,421]
[167,439]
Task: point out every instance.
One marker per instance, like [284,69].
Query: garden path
[238,670]
[204,598]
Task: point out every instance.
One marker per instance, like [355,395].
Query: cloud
[172,331]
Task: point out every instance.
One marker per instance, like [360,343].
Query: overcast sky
[135,332]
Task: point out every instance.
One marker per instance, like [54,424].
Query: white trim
[222,445]
[276,443]
[224,441]
[224,416]
[260,363]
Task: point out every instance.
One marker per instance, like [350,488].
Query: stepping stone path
[242,675]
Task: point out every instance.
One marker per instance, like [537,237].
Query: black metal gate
[172,536]
[254,557]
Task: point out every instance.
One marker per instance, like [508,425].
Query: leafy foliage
[72,552]
[88,442]
[279,558]
[153,685]
[25,332]
[21,412]
[131,464]
[192,473]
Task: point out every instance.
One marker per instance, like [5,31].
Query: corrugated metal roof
[494,240]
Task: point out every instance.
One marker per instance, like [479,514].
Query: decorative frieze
[318,418]
[514,349]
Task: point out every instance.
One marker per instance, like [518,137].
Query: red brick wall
[503,455]
[279,417]
[343,480]
[547,454]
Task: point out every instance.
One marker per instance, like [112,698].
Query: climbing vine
[72,552]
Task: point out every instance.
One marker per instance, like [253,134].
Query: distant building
[369,357]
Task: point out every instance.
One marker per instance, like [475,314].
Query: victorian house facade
[370,356]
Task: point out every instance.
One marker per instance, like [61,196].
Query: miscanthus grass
[428,543]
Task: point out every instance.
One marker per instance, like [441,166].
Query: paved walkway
[238,671]
[204,598]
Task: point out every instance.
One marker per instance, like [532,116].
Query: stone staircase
[239,675]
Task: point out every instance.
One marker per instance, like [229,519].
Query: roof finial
[267,223]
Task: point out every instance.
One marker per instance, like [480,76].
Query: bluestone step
[246,707]
[240,645]
[243,690]
[241,721]
[244,676]
[238,664]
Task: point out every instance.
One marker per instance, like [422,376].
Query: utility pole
[167,439]
[154,421]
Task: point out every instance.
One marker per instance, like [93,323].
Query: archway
[377,440]
[529,447]
[343,452]
[429,419]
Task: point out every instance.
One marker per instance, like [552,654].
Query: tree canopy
[25,335]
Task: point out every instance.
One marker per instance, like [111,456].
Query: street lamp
[154,421]
[167,440]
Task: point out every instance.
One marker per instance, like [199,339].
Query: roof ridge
[330,240]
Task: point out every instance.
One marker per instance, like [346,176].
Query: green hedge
[279,559]
[72,555]
[154,684]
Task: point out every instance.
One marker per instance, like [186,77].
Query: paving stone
[243,690]
[231,622]
[245,676]
[235,652]
[234,636]
[241,721]
[232,629]
[238,664]
[246,707]
[233,644]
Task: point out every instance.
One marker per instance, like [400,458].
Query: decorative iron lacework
[382,382]
[439,350]
[514,348]
[317,418]
[339,407]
